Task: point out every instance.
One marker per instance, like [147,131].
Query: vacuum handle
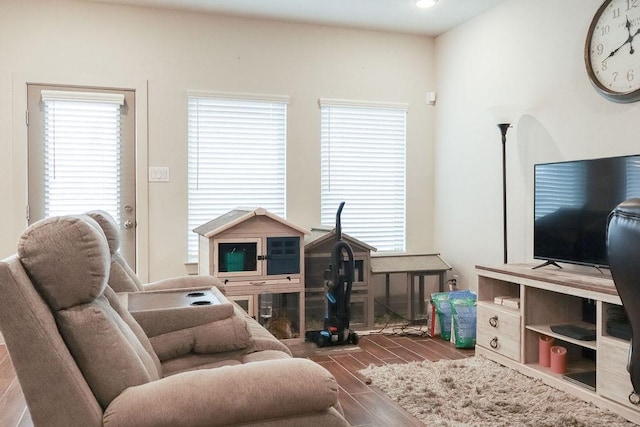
[338,225]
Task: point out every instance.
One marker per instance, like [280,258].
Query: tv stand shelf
[550,296]
[546,330]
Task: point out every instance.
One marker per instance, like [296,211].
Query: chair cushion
[215,337]
[109,227]
[67,258]
[106,350]
[121,277]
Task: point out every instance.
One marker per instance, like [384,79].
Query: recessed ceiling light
[426,3]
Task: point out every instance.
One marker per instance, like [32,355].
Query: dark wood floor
[363,404]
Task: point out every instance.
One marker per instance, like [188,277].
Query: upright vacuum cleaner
[338,282]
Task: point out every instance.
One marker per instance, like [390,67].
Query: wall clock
[612,50]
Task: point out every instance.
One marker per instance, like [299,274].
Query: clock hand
[628,25]
[629,40]
[613,52]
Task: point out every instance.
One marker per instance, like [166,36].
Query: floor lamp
[505,116]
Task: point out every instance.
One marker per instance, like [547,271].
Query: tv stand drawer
[499,330]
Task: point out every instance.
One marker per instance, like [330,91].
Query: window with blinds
[237,153]
[363,162]
[82,139]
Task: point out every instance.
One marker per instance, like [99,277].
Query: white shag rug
[479,392]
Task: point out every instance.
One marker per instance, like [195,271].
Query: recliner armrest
[228,396]
[184,282]
[163,312]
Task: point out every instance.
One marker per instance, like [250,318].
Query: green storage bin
[234,261]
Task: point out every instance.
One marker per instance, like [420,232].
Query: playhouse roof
[404,263]
[320,235]
[238,216]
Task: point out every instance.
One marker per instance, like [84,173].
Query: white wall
[167,53]
[521,52]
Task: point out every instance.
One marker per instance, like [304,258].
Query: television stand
[544,264]
[510,334]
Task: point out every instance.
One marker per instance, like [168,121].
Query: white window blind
[236,158]
[82,152]
[363,159]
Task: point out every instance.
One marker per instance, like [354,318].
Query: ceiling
[386,15]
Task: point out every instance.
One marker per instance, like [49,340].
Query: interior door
[81,144]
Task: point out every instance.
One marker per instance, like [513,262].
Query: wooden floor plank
[382,340]
[320,358]
[423,350]
[448,344]
[352,365]
[354,412]
[377,350]
[444,348]
[367,358]
[349,362]
[386,411]
[407,355]
[347,381]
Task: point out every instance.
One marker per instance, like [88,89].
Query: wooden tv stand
[509,334]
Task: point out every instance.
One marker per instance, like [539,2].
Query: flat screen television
[572,201]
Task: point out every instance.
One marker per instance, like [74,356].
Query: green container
[235,261]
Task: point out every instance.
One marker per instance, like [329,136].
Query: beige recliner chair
[83,360]
[122,278]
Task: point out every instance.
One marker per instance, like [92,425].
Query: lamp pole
[504,127]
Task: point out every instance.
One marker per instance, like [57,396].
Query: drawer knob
[494,343]
[493,321]
[634,398]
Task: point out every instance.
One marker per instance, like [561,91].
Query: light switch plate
[158,174]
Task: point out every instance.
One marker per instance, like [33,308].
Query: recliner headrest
[67,259]
[109,227]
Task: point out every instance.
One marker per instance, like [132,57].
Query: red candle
[544,350]
[558,360]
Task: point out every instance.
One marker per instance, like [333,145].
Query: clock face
[612,50]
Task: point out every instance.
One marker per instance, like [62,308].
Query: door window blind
[363,162]
[82,152]
[236,157]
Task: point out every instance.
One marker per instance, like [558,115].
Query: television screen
[572,201]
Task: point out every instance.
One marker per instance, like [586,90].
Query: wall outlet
[158,174]
[453,283]
[431,98]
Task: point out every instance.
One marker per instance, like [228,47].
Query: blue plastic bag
[464,315]
[442,302]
